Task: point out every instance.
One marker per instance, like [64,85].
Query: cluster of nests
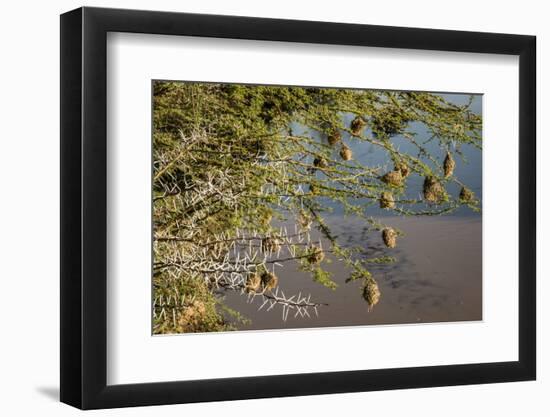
[334,138]
[265,281]
[432,189]
[381,126]
[396,177]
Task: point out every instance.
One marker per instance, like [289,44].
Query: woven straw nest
[386,200]
[389,236]
[448,165]
[433,190]
[320,163]
[402,167]
[466,195]
[253,283]
[371,293]
[316,255]
[346,153]
[271,244]
[393,178]
[334,137]
[269,280]
[357,125]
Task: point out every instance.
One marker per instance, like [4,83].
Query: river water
[437,278]
[438,273]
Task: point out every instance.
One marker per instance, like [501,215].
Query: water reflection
[437,278]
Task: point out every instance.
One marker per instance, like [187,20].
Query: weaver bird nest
[346,153]
[433,191]
[386,200]
[316,256]
[371,293]
[334,137]
[389,236]
[448,165]
[253,283]
[466,195]
[402,167]
[269,280]
[320,163]
[393,178]
[357,125]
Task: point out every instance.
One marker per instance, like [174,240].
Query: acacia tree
[243,174]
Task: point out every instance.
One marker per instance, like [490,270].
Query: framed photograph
[258,208]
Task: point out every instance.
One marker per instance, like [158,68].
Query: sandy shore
[438,278]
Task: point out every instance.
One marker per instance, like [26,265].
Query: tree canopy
[242,174]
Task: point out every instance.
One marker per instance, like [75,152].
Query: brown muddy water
[437,278]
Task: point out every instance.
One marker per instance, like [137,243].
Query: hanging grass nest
[389,236]
[269,280]
[448,165]
[271,244]
[316,255]
[346,153]
[320,163]
[253,283]
[371,293]
[466,195]
[357,125]
[393,178]
[402,167]
[386,200]
[433,190]
[334,137]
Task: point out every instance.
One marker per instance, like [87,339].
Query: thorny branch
[228,167]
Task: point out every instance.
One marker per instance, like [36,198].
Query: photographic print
[285,207]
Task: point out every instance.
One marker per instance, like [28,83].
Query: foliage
[233,164]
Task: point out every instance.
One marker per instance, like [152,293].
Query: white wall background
[29,206]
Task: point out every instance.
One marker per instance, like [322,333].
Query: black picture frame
[84,207]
